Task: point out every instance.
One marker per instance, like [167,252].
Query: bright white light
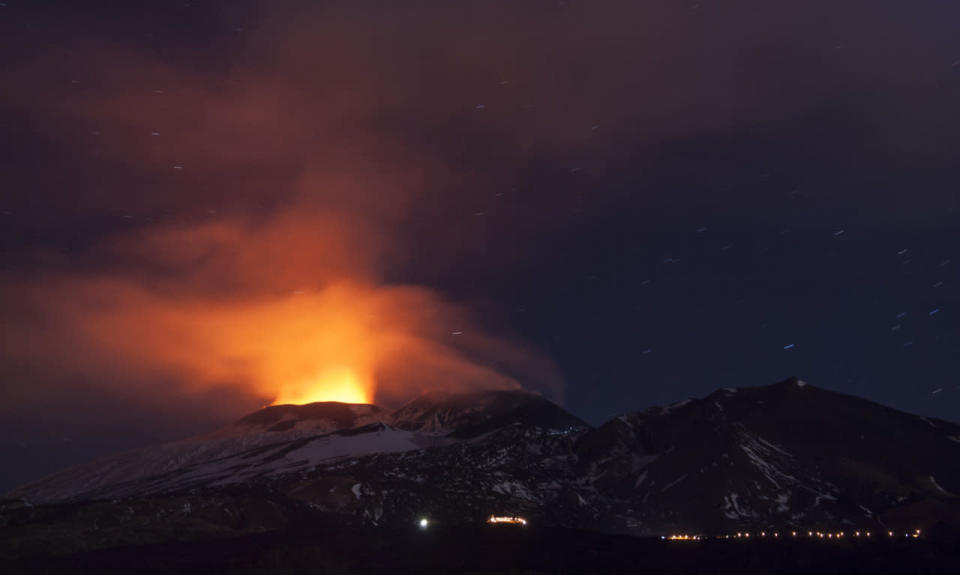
[424,523]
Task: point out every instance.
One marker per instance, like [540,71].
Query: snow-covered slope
[787,455]
[321,417]
[272,460]
[140,463]
[470,414]
[287,438]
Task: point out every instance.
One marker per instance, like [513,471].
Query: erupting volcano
[409,287]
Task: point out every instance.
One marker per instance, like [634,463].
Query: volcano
[788,456]
[279,439]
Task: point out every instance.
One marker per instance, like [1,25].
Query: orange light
[494,519]
[331,384]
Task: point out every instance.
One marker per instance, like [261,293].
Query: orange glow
[288,309]
[494,519]
[333,384]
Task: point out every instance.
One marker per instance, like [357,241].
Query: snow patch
[640,479]
[933,480]
[759,451]
[674,482]
[821,496]
[679,404]
[732,509]
[356,490]
[384,440]
[513,489]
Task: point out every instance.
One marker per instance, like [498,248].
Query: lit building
[496,519]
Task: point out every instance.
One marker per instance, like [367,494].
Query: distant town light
[494,519]
[838,535]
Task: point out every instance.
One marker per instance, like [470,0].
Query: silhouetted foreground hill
[497,550]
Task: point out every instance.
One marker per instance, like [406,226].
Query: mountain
[282,439]
[468,415]
[777,457]
[788,455]
[116,474]
[325,416]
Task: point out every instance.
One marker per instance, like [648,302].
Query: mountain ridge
[781,456]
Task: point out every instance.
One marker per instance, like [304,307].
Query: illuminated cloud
[285,310]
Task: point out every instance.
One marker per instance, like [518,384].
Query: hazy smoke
[265,308]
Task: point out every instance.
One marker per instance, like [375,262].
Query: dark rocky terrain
[784,455]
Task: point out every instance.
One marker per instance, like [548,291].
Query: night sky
[617,204]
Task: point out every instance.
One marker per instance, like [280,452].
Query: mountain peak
[323,416]
[474,413]
[781,454]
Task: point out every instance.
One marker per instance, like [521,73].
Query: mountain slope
[783,455]
[287,438]
[322,417]
[466,415]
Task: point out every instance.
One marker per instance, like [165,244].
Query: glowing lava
[333,384]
